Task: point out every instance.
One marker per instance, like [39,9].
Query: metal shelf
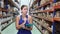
[57,19]
[47,18]
[48,28]
[5,20]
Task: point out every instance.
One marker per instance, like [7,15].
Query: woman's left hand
[30,28]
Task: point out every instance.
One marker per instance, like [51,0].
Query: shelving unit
[7,13]
[56,16]
[46,15]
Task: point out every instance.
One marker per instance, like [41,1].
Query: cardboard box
[57,14]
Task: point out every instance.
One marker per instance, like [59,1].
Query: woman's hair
[23,6]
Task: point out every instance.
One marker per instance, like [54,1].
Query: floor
[12,30]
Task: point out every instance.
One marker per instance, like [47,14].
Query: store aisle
[12,30]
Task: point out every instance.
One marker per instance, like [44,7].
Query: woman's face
[24,10]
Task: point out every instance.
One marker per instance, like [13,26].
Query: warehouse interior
[45,15]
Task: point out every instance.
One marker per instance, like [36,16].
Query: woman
[22,20]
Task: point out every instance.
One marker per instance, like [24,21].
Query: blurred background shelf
[46,12]
[43,26]
[43,11]
[57,18]
[8,10]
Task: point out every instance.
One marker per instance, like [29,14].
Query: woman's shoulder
[29,16]
[18,16]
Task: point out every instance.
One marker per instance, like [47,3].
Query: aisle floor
[12,30]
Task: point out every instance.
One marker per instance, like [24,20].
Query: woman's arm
[17,23]
[30,21]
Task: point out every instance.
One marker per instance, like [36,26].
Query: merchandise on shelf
[0,13]
[2,4]
[51,15]
[57,28]
[44,15]
[4,13]
[35,6]
[40,27]
[47,7]
[41,22]
[6,6]
[17,1]
[43,2]
[46,32]
[41,8]
[57,14]
[5,24]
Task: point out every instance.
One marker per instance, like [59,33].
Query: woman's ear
[21,11]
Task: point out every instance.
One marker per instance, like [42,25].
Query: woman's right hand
[25,20]
[23,24]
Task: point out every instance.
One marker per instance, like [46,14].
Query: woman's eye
[25,9]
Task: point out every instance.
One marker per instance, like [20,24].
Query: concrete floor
[12,30]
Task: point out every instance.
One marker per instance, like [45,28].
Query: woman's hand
[28,28]
[25,20]
[23,24]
